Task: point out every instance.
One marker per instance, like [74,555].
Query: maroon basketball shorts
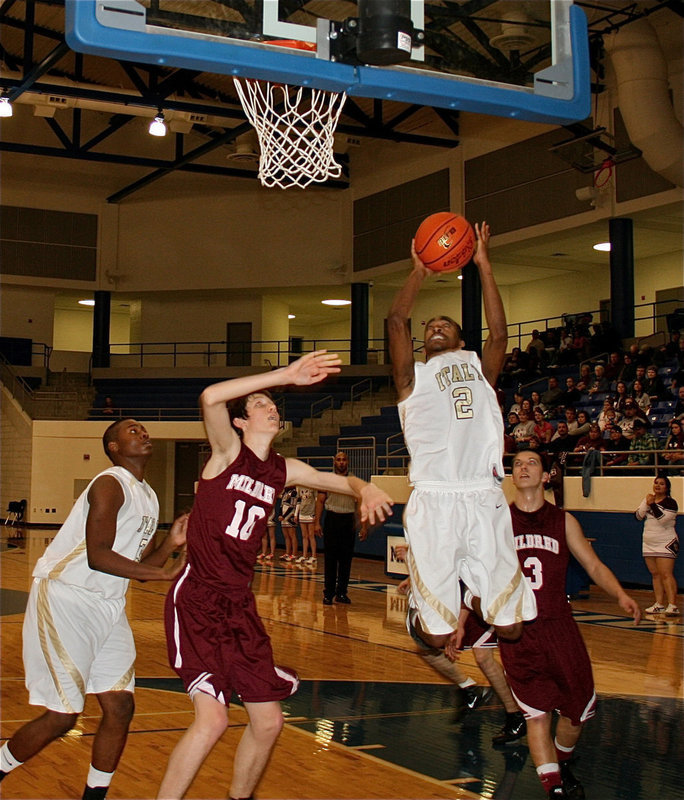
[548,669]
[217,644]
[477,633]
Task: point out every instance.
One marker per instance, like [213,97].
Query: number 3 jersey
[229,518]
[543,554]
[452,423]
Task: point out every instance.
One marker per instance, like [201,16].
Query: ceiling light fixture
[336,302]
[5,107]
[460,277]
[291,316]
[86,302]
[158,126]
[604,247]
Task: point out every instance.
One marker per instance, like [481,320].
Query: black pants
[338,540]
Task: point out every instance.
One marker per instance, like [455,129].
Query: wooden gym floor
[371,719]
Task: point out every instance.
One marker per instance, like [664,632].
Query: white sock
[467,682]
[98,778]
[562,749]
[7,761]
[545,769]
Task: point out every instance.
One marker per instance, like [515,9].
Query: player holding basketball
[77,639]
[548,668]
[457,521]
[216,641]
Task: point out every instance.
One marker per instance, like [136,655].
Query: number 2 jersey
[452,423]
[229,518]
[543,554]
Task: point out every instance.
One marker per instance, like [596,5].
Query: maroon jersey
[229,518]
[543,554]
[548,667]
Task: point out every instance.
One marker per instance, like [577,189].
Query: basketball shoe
[514,728]
[656,608]
[573,788]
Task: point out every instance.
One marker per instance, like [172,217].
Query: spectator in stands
[524,429]
[672,347]
[679,405]
[561,441]
[655,387]
[565,354]
[552,396]
[639,375]
[628,370]
[517,402]
[642,440]
[527,407]
[580,342]
[535,399]
[591,441]
[599,384]
[543,429]
[108,407]
[608,415]
[571,395]
[571,419]
[617,447]
[513,420]
[640,397]
[583,425]
[621,395]
[674,445]
[515,365]
[586,378]
[536,351]
[632,412]
[613,366]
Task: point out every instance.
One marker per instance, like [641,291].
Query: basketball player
[475,635]
[548,668]
[217,643]
[77,639]
[456,521]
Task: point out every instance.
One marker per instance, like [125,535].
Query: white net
[296,130]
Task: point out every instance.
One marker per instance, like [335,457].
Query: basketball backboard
[527,59]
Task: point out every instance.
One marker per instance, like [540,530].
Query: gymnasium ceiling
[96,109]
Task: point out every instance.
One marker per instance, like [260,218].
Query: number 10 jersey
[229,518]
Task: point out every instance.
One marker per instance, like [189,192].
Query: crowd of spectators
[625,404]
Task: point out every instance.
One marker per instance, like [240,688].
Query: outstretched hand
[312,368]
[482,233]
[376,504]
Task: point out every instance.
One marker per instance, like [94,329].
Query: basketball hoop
[295,127]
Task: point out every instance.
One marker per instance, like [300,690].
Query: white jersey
[452,423]
[66,559]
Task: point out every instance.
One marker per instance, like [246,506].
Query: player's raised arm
[494,350]
[400,342]
[225,443]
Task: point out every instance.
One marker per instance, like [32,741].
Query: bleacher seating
[177,399]
[381,426]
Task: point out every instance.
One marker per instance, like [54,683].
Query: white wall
[77,447]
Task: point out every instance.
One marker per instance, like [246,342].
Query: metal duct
[644,99]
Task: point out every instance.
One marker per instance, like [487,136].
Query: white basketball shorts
[75,643]
[464,533]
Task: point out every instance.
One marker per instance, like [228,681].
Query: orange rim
[295,44]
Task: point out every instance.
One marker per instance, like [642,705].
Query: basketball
[445,241]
